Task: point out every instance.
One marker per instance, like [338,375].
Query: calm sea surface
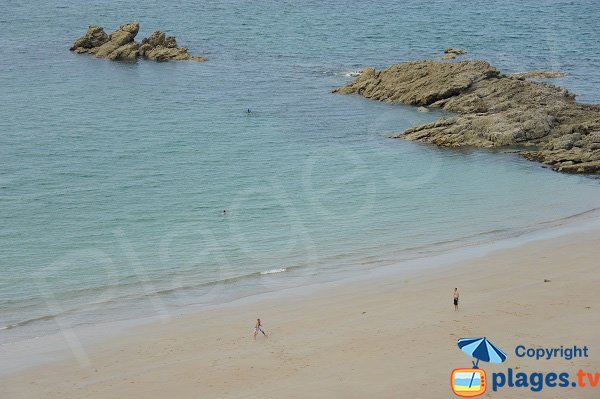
[114,176]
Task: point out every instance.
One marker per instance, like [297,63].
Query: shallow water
[115,176]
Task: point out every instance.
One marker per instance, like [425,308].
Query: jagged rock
[565,142]
[125,34]
[155,39]
[419,82]
[162,53]
[121,45]
[491,110]
[94,37]
[159,47]
[127,52]
[170,42]
[119,38]
[538,75]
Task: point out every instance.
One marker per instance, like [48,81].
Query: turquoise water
[115,176]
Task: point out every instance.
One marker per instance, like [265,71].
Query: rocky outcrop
[121,45]
[541,121]
[159,47]
[93,38]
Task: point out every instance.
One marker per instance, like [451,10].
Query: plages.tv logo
[470,382]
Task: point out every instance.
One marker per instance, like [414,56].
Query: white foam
[353,73]
[272,271]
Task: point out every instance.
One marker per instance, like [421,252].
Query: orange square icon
[467,383]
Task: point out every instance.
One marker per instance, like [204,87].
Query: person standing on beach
[456,299]
[257,329]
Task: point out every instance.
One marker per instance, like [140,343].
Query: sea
[140,189]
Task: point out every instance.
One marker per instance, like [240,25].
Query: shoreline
[352,268]
[85,348]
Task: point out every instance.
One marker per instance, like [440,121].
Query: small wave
[8,327]
[28,321]
[273,271]
[354,73]
[120,299]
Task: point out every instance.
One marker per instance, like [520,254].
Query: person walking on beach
[456,299]
[257,329]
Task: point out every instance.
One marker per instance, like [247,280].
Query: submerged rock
[491,110]
[451,53]
[456,51]
[121,45]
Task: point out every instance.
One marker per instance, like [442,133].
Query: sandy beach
[378,338]
[173,171]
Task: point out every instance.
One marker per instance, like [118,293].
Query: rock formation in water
[121,46]
[543,122]
[451,53]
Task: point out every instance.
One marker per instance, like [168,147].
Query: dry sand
[392,337]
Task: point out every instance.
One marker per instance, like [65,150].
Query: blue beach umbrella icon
[481,349]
